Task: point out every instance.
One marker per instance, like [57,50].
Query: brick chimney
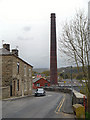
[15,52]
[53,51]
[6,46]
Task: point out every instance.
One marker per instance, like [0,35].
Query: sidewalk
[19,97]
[67,107]
[15,98]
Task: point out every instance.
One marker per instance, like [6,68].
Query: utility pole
[64,77]
[71,83]
[89,61]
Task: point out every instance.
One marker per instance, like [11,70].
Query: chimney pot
[15,52]
[6,46]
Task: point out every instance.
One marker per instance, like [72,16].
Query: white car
[40,92]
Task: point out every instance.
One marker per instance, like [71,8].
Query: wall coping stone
[78,94]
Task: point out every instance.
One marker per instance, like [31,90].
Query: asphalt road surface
[49,106]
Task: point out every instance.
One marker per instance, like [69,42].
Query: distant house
[40,82]
[16,73]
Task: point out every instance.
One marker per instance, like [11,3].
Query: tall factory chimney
[53,51]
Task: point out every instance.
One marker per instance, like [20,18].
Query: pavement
[50,106]
[67,106]
[15,98]
[34,107]
[19,97]
[66,109]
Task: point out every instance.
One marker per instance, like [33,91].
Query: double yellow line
[60,105]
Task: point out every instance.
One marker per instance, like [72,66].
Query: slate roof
[4,51]
[36,79]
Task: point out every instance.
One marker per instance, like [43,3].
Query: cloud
[27,28]
[24,38]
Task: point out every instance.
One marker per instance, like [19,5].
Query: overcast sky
[26,24]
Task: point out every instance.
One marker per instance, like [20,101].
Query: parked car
[40,92]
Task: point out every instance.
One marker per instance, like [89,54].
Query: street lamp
[64,77]
[71,83]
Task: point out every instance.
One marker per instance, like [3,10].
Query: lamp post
[71,83]
[64,77]
[88,107]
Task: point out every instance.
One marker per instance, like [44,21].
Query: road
[49,106]
[75,84]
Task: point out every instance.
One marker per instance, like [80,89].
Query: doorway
[14,88]
[11,89]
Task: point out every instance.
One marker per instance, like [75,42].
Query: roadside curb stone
[15,98]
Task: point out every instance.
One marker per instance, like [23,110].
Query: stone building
[16,74]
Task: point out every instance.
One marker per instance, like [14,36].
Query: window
[24,70]
[18,67]
[30,72]
[38,84]
[46,84]
[30,86]
[18,85]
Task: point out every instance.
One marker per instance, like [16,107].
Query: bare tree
[74,40]
[74,43]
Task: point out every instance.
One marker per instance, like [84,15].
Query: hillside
[66,69]
[40,70]
[64,72]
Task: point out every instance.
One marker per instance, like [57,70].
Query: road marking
[60,105]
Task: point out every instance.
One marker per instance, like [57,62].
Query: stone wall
[78,98]
[6,70]
[0,93]
[10,76]
[5,92]
[58,89]
[0,77]
[25,80]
